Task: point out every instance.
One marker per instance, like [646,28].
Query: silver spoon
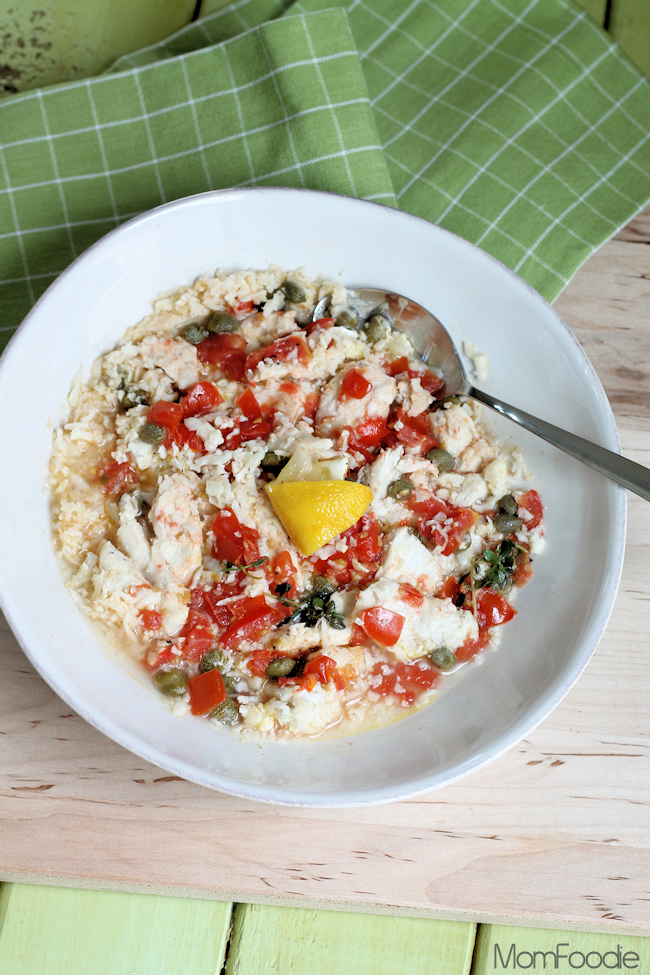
[434,345]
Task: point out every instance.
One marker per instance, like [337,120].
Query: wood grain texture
[487,961]
[279,939]
[555,833]
[54,931]
[629,24]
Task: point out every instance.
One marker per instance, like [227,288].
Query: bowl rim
[376,795]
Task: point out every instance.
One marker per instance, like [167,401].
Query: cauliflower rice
[170,539]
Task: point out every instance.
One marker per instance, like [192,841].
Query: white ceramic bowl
[535,363]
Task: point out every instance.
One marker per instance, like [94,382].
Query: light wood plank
[596,8]
[629,24]
[73,932]
[489,961]
[554,833]
[46,41]
[279,939]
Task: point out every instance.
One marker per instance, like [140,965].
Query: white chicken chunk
[296,710]
[436,623]
[406,559]
[131,534]
[333,413]
[177,546]
[453,428]
[120,590]
[176,357]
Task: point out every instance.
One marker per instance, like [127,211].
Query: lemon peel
[314,512]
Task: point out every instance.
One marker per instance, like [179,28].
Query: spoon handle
[619,469]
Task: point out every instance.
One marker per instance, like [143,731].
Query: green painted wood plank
[46,41]
[629,24]
[596,8]
[282,940]
[490,961]
[61,931]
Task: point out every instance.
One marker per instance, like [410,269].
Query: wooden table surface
[555,833]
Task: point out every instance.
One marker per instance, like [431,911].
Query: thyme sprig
[237,567]
[501,564]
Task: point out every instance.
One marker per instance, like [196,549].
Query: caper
[152,433]
[317,604]
[376,329]
[398,488]
[293,292]
[194,333]
[273,463]
[348,319]
[322,586]
[220,322]
[227,712]
[443,658]
[212,660]
[229,682]
[507,524]
[170,681]
[443,460]
[280,667]
[439,403]
[507,504]
[134,396]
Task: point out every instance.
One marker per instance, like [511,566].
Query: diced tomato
[291,348]
[409,594]
[523,569]
[382,625]
[116,478]
[366,438]
[184,435]
[197,642]
[253,624]
[358,637]
[448,537]
[245,307]
[201,399]
[364,547]
[398,367]
[206,692]
[354,385]
[258,429]
[249,405]
[233,542]
[227,351]
[492,609]
[450,589]
[414,431]
[532,502]
[151,619]
[325,671]
[209,600]
[281,570]
[405,681]
[168,416]
[260,659]
[319,325]
[470,648]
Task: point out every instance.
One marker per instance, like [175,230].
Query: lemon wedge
[315,512]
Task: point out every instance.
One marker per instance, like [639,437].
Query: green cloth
[519,125]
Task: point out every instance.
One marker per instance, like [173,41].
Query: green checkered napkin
[519,125]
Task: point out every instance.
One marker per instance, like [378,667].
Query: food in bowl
[284,520]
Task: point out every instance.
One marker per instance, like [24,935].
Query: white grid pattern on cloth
[197,127]
[57,177]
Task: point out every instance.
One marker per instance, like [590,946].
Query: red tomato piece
[292,348]
[365,438]
[253,624]
[249,405]
[260,659]
[322,667]
[523,569]
[358,637]
[471,648]
[492,609]
[532,502]
[201,399]
[450,589]
[409,594]
[258,429]
[281,570]
[398,367]
[197,642]
[183,436]
[151,619]
[233,542]
[245,307]
[354,385]
[414,431]
[382,625]
[227,351]
[319,325]
[206,692]
[116,478]
[166,414]
[429,381]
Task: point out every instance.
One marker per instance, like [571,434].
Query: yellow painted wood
[634,952]
[62,931]
[629,24]
[281,940]
[596,8]
[46,41]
